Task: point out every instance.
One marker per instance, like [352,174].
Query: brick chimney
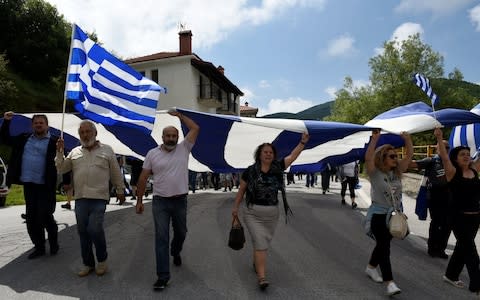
[221,70]
[185,38]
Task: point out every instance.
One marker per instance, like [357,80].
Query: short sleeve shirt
[267,186]
[169,169]
[384,187]
[434,171]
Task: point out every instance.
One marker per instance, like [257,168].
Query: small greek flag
[106,90]
[423,83]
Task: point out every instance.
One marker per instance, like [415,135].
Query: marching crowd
[37,157]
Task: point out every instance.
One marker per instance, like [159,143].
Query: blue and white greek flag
[423,83]
[106,90]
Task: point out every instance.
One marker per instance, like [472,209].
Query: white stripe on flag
[105,112]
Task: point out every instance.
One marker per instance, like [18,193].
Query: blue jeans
[164,209]
[90,214]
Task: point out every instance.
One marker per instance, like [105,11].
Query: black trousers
[325,181]
[351,182]
[440,227]
[39,210]
[465,229]
[381,252]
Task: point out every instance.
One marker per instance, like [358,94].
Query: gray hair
[89,123]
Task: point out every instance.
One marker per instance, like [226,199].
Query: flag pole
[66,81]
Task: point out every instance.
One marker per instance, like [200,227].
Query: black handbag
[236,238]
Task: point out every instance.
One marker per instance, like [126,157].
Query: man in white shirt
[168,164]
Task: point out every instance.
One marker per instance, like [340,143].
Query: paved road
[320,254]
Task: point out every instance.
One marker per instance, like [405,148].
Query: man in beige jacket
[93,165]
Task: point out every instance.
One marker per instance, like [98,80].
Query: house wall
[181,80]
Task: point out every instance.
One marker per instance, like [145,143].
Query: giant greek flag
[227,143]
[106,90]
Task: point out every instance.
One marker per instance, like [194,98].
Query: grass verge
[15,196]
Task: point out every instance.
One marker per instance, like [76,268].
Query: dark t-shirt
[267,185]
[434,171]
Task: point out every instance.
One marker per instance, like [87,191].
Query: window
[155,75]
[142,72]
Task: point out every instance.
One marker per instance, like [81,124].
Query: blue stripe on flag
[73,78]
[132,98]
[78,57]
[117,109]
[424,84]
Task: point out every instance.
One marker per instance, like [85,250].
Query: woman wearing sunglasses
[462,177]
[385,170]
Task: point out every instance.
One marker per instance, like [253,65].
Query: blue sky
[285,55]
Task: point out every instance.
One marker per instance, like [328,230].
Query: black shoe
[36,253]
[439,254]
[160,284]
[343,202]
[177,260]
[133,198]
[23,216]
[66,205]
[54,249]
[354,205]
[263,283]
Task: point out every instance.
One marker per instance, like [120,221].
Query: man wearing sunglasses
[438,196]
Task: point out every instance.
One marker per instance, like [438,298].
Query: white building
[191,82]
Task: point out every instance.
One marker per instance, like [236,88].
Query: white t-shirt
[169,169]
[349,169]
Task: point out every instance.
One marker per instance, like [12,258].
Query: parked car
[3,183]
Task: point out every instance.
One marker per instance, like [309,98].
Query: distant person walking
[385,170]
[32,165]
[261,183]
[93,165]
[168,164]
[348,177]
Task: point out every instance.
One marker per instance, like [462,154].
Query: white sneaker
[373,274]
[393,289]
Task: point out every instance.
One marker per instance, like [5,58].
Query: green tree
[40,46]
[455,75]
[8,90]
[390,81]
[392,71]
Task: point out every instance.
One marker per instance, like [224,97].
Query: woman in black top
[462,176]
[261,183]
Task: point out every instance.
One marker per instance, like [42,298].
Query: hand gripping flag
[106,90]
[423,83]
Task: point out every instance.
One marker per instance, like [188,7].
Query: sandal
[263,283]
[455,283]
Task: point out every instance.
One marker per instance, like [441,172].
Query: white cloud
[248,95]
[436,7]
[405,30]
[132,28]
[475,16]
[402,33]
[291,105]
[331,90]
[341,46]
[264,84]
